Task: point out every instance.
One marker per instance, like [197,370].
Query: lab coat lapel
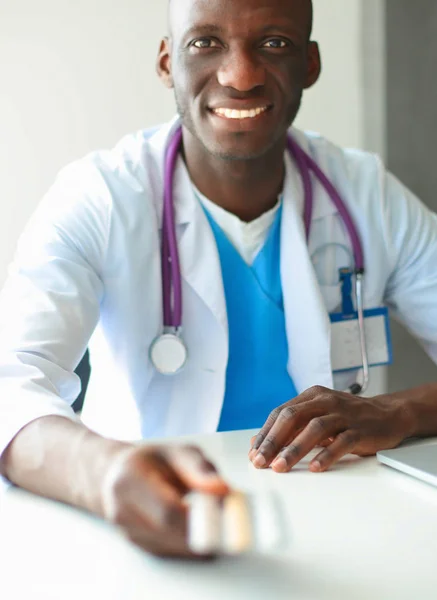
[307,321]
[192,400]
[198,254]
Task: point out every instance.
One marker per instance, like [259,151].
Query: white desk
[359,532]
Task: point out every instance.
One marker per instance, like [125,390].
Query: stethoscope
[168,352]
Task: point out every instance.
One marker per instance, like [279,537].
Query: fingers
[327,432]
[317,430]
[344,443]
[170,542]
[281,431]
[144,491]
[305,397]
[326,443]
[141,486]
[258,439]
[290,421]
[314,418]
[195,471]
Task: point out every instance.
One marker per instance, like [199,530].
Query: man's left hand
[341,423]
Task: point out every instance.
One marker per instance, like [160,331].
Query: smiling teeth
[239,114]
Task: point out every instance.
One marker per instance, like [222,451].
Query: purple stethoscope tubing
[171,270]
[170,265]
[305,164]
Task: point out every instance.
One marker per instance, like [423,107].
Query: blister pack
[236,524]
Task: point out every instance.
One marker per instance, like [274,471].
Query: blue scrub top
[257,380]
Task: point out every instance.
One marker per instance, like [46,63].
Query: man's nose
[242,71]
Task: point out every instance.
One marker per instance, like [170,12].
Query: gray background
[411,116]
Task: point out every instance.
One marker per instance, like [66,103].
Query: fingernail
[259,461]
[280,465]
[315,466]
[252,453]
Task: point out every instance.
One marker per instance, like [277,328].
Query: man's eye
[276,43]
[205,43]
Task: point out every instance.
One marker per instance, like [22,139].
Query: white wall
[335,106]
[76,76]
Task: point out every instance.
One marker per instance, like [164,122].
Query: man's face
[238,68]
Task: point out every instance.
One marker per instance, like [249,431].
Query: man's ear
[314,65]
[163,63]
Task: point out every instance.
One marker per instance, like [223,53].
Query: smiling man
[209,266]
[238,76]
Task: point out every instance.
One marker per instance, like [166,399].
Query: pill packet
[236,524]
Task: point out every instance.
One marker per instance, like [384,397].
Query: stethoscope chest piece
[168,354]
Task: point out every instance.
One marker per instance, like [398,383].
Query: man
[255,318]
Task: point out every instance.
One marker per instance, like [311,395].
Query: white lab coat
[88,265]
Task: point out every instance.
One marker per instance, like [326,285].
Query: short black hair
[311,23]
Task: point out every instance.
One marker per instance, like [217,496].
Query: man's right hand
[143,493]
[139,488]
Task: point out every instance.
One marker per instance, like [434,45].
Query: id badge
[345,340]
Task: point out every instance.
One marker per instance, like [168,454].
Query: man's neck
[246,188]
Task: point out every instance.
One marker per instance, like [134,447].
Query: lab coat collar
[184,200]
[198,254]
[185,203]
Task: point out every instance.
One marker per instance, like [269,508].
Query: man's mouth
[231,113]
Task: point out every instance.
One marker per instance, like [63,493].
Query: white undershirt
[247,238]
